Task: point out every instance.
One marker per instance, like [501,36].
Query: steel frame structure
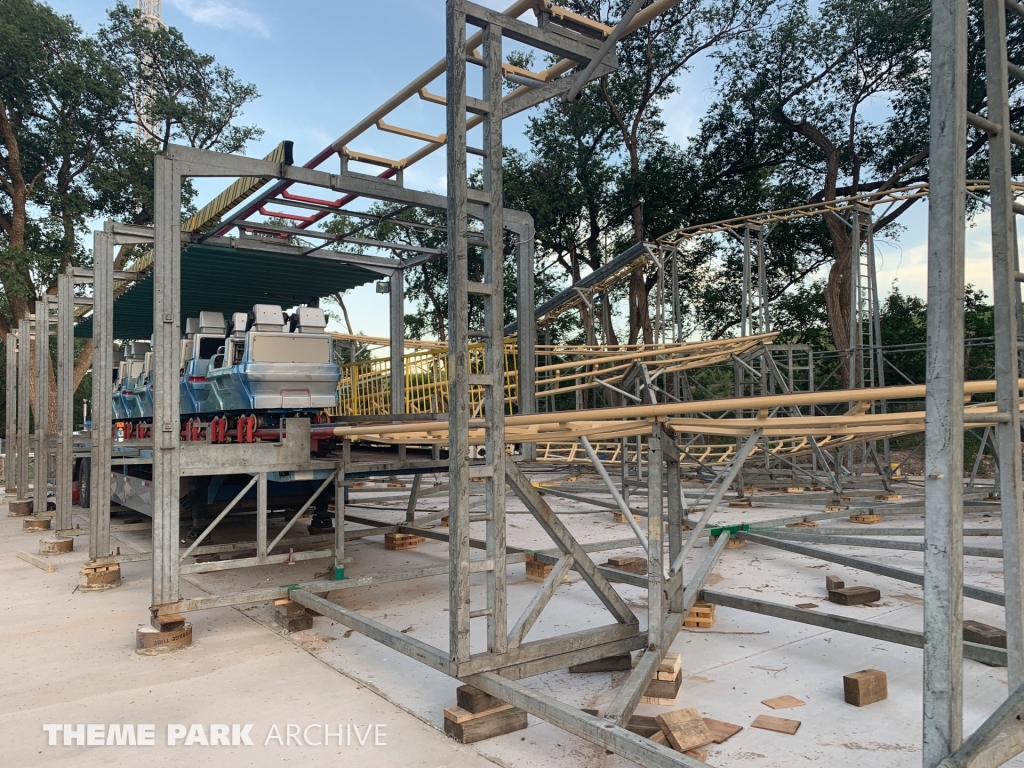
[509,656]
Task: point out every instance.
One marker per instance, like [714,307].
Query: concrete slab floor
[729,669]
[68,657]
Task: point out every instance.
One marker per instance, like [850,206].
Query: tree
[68,145]
[838,93]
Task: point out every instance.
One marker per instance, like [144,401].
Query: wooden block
[701,616]
[685,729]
[621,518]
[698,754]
[636,565]
[644,725]
[672,664]
[783,702]
[608,664]
[866,519]
[662,691]
[467,727]
[398,541]
[976,632]
[854,595]
[833,582]
[794,490]
[803,524]
[836,507]
[720,731]
[476,701]
[888,497]
[537,571]
[740,503]
[777,724]
[660,738]
[865,687]
[806,606]
[847,497]
[732,543]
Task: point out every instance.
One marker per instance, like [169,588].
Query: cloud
[222,15]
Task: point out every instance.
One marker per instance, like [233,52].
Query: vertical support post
[166,392]
[102,391]
[762,283]
[1006,295]
[943,557]
[655,537]
[261,517]
[745,296]
[42,413]
[458,334]
[494,342]
[526,334]
[11,459]
[339,511]
[670,452]
[855,368]
[24,371]
[65,397]
[396,298]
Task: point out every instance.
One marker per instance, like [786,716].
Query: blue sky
[321,66]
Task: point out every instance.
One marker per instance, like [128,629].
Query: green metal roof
[220,279]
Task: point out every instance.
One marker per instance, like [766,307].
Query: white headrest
[311,320]
[238,322]
[191,327]
[267,317]
[212,322]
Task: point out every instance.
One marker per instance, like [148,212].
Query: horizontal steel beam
[983,653]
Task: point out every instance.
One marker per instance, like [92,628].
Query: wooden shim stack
[866,519]
[478,716]
[538,571]
[666,682]
[636,565]
[701,616]
[399,541]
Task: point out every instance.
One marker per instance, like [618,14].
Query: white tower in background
[152,12]
[152,17]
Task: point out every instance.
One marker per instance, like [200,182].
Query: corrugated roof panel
[228,280]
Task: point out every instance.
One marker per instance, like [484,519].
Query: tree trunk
[837,293]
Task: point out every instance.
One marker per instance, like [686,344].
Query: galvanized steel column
[1005,296]
[943,559]
[397,349]
[42,412]
[166,393]
[102,392]
[24,372]
[10,435]
[65,397]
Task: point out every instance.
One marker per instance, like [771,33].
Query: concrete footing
[35,524]
[167,634]
[19,508]
[56,546]
[98,578]
[292,616]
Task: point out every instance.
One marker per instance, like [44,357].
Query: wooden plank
[976,632]
[36,561]
[783,702]
[834,582]
[777,724]
[720,730]
[685,729]
[486,724]
[459,715]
